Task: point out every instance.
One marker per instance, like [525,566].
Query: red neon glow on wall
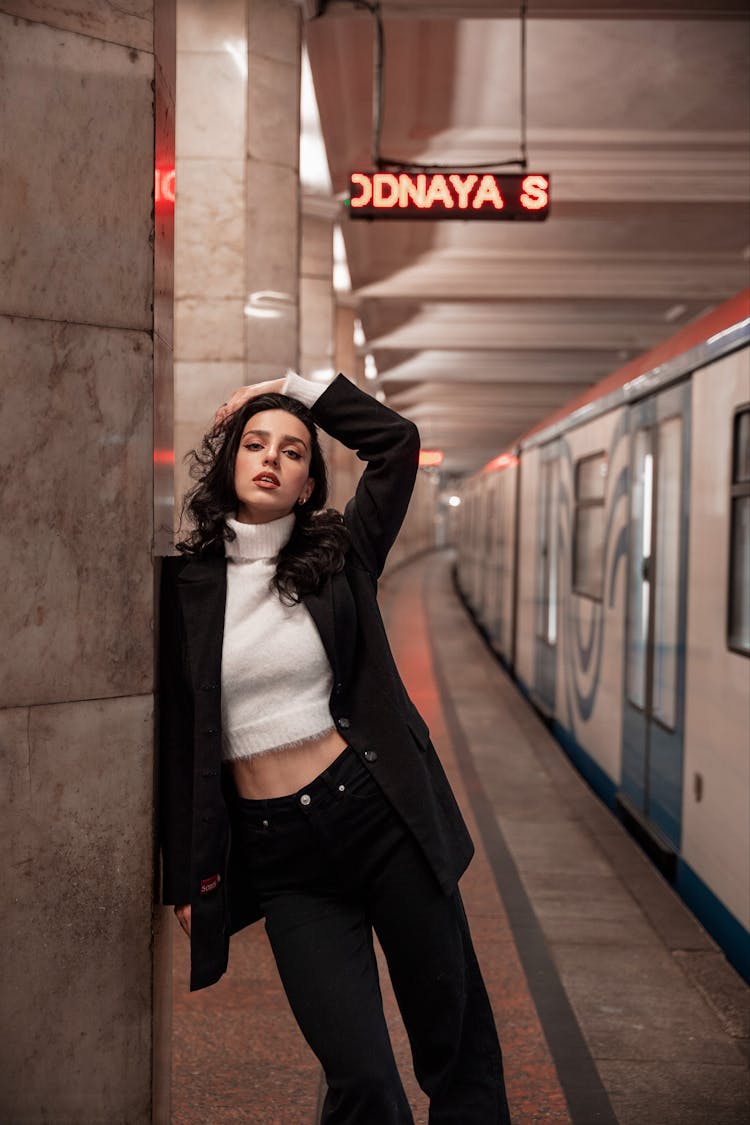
[453,195]
[504,461]
[164,456]
[164,185]
[430,457]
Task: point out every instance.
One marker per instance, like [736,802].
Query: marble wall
[272,187]
[209,215]
[86,341]
[317,296]
[237,208]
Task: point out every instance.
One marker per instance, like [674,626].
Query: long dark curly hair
[319,539]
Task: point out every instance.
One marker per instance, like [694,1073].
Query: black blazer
[368,701]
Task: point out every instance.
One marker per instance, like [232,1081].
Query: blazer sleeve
[389,444]
[175,757]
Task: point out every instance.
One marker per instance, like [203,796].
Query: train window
[639,600]
[739,549]
[741,448]
[588,535]
[548,543]
[667,570]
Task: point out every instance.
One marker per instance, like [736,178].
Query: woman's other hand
[242,395]
[183,917]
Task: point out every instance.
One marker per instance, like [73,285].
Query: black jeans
[330,864]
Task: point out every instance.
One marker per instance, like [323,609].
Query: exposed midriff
[278,773]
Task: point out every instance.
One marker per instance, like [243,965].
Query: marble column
[237,208]
[345,467]
[316,293]
[317,306]
[272,190]
[82,345]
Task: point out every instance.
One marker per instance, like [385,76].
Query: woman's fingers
[242,395]
[183,917]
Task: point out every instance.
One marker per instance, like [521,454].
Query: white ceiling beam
[603,166]
[498,367]
[493,275]
[487,392]
[479,412]
[436,416]
[485,326]
[495,436]
[538,9]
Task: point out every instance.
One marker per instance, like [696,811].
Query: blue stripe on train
[719,922]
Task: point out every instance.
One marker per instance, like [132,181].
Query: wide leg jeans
[330,864]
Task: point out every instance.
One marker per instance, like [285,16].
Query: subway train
[606,559]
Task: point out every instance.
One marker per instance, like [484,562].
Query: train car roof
[703,340]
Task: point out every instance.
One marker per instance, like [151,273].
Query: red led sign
[164,185]
[448,195]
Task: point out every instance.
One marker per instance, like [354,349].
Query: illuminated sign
[430,457]
[503,461]
[164,185]
[449,195]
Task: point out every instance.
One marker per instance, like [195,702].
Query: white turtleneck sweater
[275,676]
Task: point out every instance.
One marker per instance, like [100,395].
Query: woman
[298,781]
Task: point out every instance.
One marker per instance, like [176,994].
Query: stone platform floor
[612,1003]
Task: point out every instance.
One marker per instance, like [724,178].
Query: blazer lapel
[334,613]
[202,589]
[320,608]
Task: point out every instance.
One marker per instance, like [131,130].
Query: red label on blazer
[210,883]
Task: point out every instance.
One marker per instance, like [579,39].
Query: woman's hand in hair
[183,917]
[242,395]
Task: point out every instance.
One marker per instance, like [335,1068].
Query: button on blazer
[368,700]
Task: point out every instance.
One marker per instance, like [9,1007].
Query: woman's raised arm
[381,437]
[389,444]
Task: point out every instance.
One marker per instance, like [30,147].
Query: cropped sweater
[275,676]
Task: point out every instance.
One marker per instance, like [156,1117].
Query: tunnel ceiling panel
[644,127]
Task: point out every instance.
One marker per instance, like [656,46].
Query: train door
[547,584]
[653,712]
[486,538]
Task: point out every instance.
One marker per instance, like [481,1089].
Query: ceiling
[479,330]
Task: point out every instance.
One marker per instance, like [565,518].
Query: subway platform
[613,1004]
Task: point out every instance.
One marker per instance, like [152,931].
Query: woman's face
[275,445]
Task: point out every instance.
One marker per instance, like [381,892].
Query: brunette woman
[298,781]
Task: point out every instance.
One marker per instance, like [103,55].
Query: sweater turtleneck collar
[258,540]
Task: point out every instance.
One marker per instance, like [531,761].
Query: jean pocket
[361,787]
[250,827]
